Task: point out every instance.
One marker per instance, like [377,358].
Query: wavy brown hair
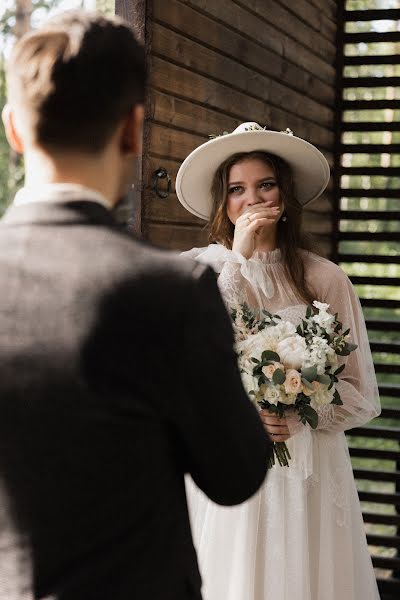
[289,237]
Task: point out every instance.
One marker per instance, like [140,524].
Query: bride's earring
[284,218]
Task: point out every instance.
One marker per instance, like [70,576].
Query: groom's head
[73,82]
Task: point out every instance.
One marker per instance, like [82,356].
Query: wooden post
[135,12]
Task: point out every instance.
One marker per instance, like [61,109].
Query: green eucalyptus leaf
[278,377]
[269,355]
[311,416]
[324,379]
[310,373]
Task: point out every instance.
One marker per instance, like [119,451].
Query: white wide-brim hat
[193,182]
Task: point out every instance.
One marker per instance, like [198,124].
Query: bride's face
[252,182]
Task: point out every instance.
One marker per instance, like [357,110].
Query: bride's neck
[266,241]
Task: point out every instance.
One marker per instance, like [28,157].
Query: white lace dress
[301,537]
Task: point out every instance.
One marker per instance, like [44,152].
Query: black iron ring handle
[161,173]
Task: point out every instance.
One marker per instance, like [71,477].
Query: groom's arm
[227,447]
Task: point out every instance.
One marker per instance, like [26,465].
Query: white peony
[292,351]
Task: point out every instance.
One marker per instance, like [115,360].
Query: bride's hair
[289,237]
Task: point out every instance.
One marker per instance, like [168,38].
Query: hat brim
[193,182]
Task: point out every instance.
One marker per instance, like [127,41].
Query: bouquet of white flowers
[286,367]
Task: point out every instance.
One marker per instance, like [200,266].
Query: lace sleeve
[239,279]
[357,385]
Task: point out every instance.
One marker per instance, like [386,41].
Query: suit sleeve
[226,444]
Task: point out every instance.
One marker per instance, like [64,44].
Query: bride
[301,537]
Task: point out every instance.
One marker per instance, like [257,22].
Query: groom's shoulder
[149,261]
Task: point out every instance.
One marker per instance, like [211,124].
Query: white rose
[288,398]
[322,396]
[272,394]
[292,351]
[292,383]
[269,370]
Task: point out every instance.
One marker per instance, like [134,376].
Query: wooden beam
[375,193]
[370,148]
[386,171]
[362,126]
[371,104]
[371,82]
[365,59]
[386,14]
[378,236]
[369,258]
[376,215]
[368,37]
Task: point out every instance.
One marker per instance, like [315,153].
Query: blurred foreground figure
[118,374]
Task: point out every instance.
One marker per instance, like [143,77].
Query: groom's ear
[131,134]
[13,137]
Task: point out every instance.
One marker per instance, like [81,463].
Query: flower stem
[281,451]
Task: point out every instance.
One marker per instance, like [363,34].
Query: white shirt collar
[59,192]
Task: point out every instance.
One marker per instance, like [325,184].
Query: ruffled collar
[270,257]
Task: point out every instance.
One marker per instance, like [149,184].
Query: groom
[117,368]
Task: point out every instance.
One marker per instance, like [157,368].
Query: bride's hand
[248,225]
[275,426]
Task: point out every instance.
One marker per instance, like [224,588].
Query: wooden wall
[214,64]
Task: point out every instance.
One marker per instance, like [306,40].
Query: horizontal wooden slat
[175,237]
[240,20]
[381,519]
[379,236]
[183,83]
[385,171]
[375,126]
[368,475]
[365,59]
[361,280]
[388,541]
[368,37]
[315,17]
[370,82]
[375,431]
[379,497]
[383,347]
[388,587]
[380,303]
[371,15]
[390,413]
[370,193]
[205,61]
[381,562]
[365,215]
[370,104]
[370,148]
[387,368]
[369,258]
[273,14]
[391,389]
[246,50]
[375,453]
[383,325]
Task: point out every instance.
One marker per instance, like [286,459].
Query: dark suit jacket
[117,376]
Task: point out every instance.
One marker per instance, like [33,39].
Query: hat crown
[249,126]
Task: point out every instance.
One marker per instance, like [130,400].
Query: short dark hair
[76,78]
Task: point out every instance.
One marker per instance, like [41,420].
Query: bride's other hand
[248,225]
[275,426]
